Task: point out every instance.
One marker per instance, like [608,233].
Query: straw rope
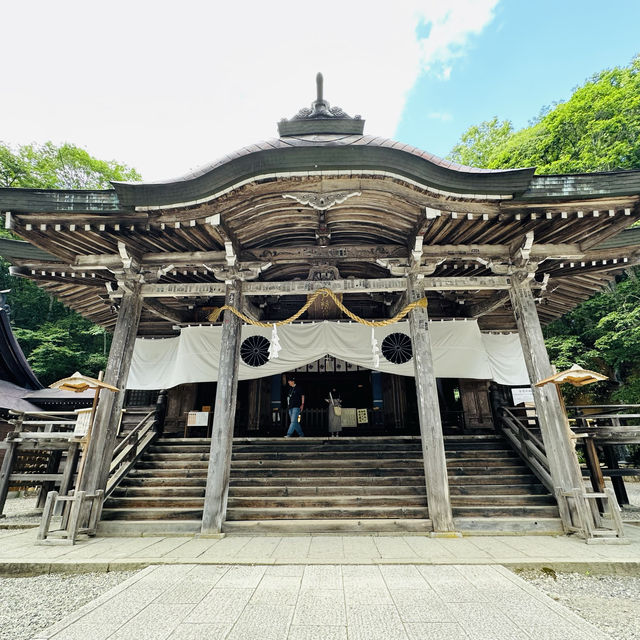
[422,302]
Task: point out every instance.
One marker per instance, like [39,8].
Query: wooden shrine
[378,222]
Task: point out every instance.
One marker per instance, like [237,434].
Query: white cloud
[165,86]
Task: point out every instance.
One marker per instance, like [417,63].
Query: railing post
[8,461]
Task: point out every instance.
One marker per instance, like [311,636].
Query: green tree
[596,129]
[65,166]
[56,340]
[478,143]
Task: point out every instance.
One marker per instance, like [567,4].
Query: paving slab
[291,602]
[18,552]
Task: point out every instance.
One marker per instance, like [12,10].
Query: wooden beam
[304,287]
[226,238]
[435,461]
[164,311]
[487,306]
[219,469]
[331,253]
[626,218]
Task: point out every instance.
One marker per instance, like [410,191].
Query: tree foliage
[596,129]
[65,166]
[56,340]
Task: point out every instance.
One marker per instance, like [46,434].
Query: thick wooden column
[563,462]
[105,426]
[435,462]
[215,501]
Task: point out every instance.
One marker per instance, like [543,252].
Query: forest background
[596,129]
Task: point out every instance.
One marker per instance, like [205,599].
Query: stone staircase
[331,485]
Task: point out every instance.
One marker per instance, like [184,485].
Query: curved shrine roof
[324,152]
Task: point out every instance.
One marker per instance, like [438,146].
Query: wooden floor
[319,484]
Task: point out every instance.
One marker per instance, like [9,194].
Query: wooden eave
[182,231]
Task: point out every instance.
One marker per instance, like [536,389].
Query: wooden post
[563,462]
[8,461]
[103,434]
[255,395]
[611,460]
[215,501]
[70,465]
[53,466]
[435,462]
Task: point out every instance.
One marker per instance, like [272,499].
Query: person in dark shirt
[295,404]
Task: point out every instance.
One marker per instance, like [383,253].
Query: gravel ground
[28,605]
[611,603]
[20,511]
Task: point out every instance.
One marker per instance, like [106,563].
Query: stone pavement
[18,553]
[323,602]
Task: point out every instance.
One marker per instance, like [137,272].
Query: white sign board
[524,394]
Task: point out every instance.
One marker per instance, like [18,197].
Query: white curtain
[459,351]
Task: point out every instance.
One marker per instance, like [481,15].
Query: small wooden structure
[378,222]
[80,514]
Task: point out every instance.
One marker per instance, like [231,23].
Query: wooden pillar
[563,462]
[435,462]
[254,402]
[105,426]
[10,454]
[224,413]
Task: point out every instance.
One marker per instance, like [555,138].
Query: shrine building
[352,229]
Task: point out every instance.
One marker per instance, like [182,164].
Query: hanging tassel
[374,349]
[274,346]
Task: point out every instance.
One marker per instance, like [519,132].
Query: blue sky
[530,55]
[166,86]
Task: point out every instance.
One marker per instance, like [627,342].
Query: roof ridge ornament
[321,118]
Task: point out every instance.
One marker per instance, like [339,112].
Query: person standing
[335,413]
[295,404]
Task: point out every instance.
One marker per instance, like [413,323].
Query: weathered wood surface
[219,466]
[5,472]
[103,436]
[435,463]
[556,435]
[290,288]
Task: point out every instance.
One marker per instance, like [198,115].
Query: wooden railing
[607,423]
[601,430]
[130,448]
[523,433]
